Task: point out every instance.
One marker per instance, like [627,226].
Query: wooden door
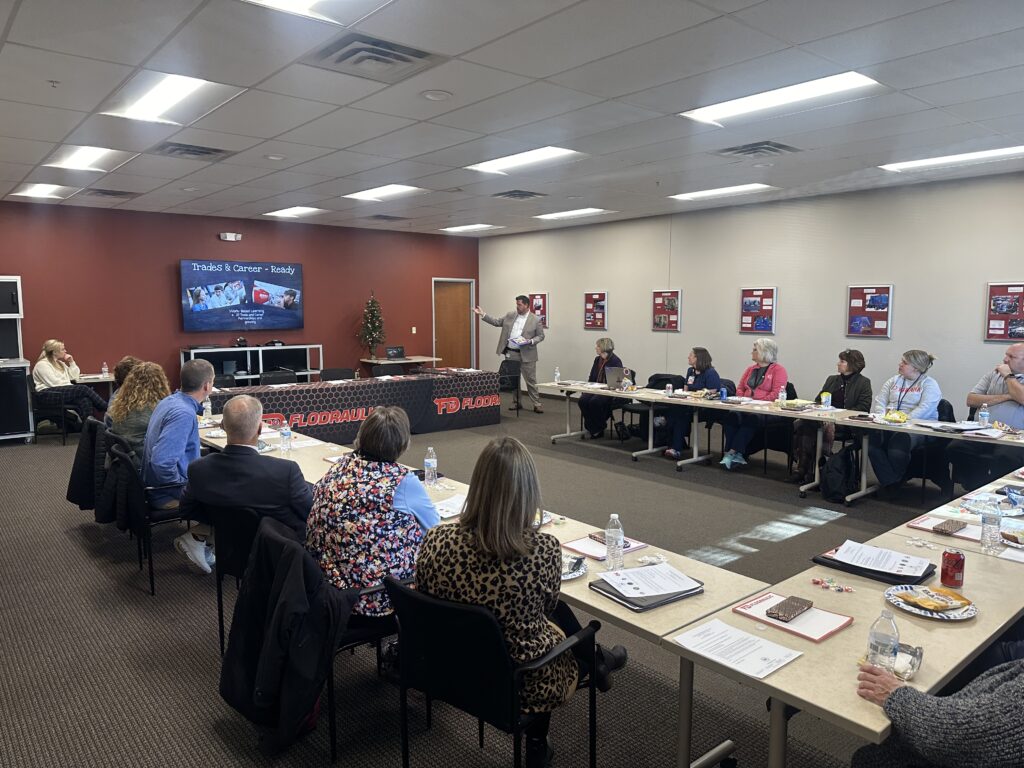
[453,327]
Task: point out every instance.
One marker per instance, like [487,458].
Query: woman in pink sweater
[761,381]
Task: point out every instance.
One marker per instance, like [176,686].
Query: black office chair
[234,530]
[337,374]
[508,381]
[141,515]
[713,417]
[928,461]
[776,435]
[225,381]
[456,653]
[641,411]
[278,377]
[50,405]
[387,369]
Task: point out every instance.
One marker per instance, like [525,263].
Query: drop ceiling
[605,78]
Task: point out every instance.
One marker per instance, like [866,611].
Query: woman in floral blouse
[369,515]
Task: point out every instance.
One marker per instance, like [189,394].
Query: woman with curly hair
[144,386]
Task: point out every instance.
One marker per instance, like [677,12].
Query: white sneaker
[194,550]
[211,557]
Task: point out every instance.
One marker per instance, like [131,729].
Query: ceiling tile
[262,114]
[973,88]
[523,105]
[717,43]
[404,172]
[453,26]
[639,134]
[13,171]
[476,151]
[320,85]
[227,141]
[25,75]
[1011,125]
[293,155]
[415,140]
[238,195]
[560,130]
[286,181]
[28,121]
[342,163]
[466,82]
[800,21]
[125,31]
[65,177]
[161,167]
[870,129]
[345,127]
[587,31]
[126,182]
[119,133]
[24,150]
[239,43]
[946,24]
[986,109]
[223,173]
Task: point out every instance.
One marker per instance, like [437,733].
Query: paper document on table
[650,580]
[450,507]
[307,442]
[814,623]
[878,559]
[927,523]
[736,649]
[1017,555]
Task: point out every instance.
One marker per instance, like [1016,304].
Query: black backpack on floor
[841,475]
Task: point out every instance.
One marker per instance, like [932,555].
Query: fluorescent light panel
[470,228]
[296,212]
[378,194]
[740,189]
[502,164]
[45,191]
[171,90]
[968,158]
[791,94]
[158,97]
[576,214]
[298,7]
[81,159]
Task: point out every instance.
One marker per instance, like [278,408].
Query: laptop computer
[614,376]
[394,353]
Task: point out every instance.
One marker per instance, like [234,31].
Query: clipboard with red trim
[814,624]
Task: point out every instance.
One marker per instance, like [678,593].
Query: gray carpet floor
[95,672]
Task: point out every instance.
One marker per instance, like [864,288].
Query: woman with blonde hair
[145,385]
[597,409]
[54,376]
[496,557]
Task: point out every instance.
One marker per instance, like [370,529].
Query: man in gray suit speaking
[521,332]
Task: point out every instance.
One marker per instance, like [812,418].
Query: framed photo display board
[665,310]
[758,309]
[869,311]
[539,307]
[595,310]
[1004,312]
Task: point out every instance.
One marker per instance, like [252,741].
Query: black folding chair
[508,381]
[337,374]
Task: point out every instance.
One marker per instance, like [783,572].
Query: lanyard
[903,394]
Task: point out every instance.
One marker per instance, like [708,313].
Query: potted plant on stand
[371,330]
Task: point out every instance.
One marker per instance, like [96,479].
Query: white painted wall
[938,244]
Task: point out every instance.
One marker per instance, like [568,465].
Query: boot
[608,660]
[538,752]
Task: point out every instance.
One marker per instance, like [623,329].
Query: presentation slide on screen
[240,295]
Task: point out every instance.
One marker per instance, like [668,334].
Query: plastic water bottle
[105,369]
[207,409]
[286,440]
[991,541]
[983,417]
[781,399]
[558,375]
[883,642]
[430,468]
[613,539]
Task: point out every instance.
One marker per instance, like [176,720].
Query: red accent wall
[107,282]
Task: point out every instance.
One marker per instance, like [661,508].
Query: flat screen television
[240,295]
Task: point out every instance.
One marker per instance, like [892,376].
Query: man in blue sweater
[172,443]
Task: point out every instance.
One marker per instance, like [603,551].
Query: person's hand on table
[875,684]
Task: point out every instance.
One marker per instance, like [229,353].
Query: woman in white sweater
[54,375]
[916,394]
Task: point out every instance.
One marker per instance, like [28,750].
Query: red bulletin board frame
[1004,312]
[539,307]
[759,318]
[595,310]
[865,317]
[665,310]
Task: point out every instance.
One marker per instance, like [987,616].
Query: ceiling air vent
[189,152]
[518,194]
[107,194]
[385,217]
[372,58]
[758,149]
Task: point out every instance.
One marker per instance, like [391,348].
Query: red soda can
[952,568]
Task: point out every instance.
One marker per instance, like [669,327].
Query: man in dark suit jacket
[239,476]
[521,332]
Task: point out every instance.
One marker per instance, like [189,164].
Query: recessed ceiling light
[470,228]
[159,99]
[45,191]
[791,94]
[741,189]
[578,213]
[377,194]
[969,158]
[81,159]
[294,213]
[502,164]
[190,189]
[275,157]
[298,7]
[436,95]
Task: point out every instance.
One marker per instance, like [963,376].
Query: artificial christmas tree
[371,332]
